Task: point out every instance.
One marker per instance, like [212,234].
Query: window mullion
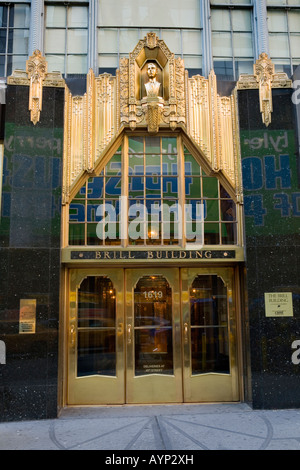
[232,44]
[289,40]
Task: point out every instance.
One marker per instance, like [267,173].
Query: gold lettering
[150,254]
[208,254]
[173,254]
[129,256]
[199,254]
[159,254]
[115,255]
[106,255]
[182,254]
[98,255]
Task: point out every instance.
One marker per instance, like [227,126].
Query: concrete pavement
[158,427]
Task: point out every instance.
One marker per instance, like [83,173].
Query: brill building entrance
[152,237]
[148,257]
[137,265]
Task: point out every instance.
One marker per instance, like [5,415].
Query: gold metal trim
[264,78]
[36,76]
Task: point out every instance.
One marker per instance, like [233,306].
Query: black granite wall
[30,254]
[270,163]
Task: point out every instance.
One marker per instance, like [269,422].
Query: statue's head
[151,70]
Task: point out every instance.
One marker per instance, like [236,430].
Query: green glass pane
[191,166]
[170,187]
[77,210]
[136,145]
[81,193]
[152,145]
[169,164]
[76,234]
[114,165]
[170,210]
[194,209]
[112,234]
[136,164]
[112,208]
[153,164]
[212,210]
[193,187]
[169,145]
[210,187]
[92,238]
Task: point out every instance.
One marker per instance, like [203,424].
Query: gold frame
[95,389]
[211,386]
[155,388]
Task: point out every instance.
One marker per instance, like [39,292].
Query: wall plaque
[27,319]
[278,304]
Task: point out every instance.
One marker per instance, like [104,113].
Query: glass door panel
[153,326]
[96,369]
[209,325]
[210,367]
[153,336]
[96,326]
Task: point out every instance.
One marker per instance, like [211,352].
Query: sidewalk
[159,427]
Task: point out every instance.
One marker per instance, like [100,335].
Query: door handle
[72,334]
[185,330]
[129,334]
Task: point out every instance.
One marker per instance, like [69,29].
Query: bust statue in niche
[152,86]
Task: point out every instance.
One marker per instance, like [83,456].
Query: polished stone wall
[270,162]
[30,254]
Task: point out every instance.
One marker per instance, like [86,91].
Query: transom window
[162,197]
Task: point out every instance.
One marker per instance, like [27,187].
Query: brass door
[96,344]
[164,335]
[209,335]
[153,369]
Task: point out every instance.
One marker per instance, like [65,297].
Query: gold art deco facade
[169,320]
